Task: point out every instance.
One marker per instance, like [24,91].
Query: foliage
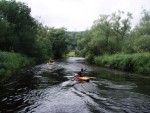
[71,54]
[139,38]
[112,34]
[143,44]
[83,43]
[19,27]
[43,45]
[20,32]
[60,41]
[138,62]
[11,62]
[107,35]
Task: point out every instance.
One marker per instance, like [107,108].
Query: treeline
[73,37]
[21,33]
[24,40]
[112,34]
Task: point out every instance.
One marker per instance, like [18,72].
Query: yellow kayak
[50,63]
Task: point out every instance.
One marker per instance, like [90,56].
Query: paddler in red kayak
[80,74]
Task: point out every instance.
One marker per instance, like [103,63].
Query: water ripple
[52,89]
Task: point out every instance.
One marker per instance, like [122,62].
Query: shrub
[11,62]
[138,62]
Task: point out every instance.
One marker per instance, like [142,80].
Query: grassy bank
[71,54]
[11,62]
[137,63]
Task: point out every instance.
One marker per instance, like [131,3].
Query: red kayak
[81,78]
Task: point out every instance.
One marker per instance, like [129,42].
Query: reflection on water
[52,89]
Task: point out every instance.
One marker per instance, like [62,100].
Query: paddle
[84,71]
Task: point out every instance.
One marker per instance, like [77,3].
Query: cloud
[80,14]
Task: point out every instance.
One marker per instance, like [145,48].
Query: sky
[79,15]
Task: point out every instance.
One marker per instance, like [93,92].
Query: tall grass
[11,62]
[138,62]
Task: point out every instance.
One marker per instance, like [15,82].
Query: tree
[106,35]
[103,25]
[21,32]
[141,34]
[59,42]
[121,26]
[4,28]
[143,27]
[43,44]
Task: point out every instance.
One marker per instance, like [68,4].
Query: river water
[52,89]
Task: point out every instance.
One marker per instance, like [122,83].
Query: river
[52,89]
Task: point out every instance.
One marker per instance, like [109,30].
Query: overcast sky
[78,15]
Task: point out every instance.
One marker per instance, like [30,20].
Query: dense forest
[110,42]
[21,33]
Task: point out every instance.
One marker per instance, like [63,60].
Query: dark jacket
[81,73]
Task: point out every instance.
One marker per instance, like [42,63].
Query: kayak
[50,63]
[81,78]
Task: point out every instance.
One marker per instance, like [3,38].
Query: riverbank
[11,62]
[71,54]
[137,63]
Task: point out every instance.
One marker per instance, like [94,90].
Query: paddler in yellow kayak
[50,62]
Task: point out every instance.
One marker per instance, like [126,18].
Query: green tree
[121,24]
[139,39]
[83,43]
[43,44]
[121,27]
[59,41]
[4,28]
[21,32]
[106,35]
[143,27]
[102,29]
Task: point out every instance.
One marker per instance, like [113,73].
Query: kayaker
[81,72]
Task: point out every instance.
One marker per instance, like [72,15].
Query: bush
[138,62]
[11,62]
[142,44]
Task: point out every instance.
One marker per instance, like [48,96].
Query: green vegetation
[71,54]
[112,35]
[11,62]
[138,62]
[23,34]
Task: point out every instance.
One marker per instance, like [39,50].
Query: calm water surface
[52,89]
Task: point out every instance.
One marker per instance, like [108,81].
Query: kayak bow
[81,78]
[50,63]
